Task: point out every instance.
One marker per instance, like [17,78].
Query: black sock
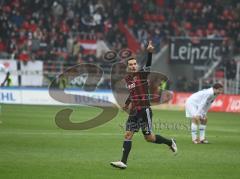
[127,145]
[162,140]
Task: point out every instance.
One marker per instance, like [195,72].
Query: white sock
[202,131]
[194,131]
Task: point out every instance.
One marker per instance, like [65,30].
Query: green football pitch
[33,146]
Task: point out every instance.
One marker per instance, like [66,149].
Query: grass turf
[32,146]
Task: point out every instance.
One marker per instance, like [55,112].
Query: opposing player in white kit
[197,106]
[6,80]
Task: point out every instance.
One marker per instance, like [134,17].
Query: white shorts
[190,109]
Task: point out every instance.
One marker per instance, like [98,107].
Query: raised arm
[150,49]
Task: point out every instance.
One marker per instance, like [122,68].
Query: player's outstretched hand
[150,47]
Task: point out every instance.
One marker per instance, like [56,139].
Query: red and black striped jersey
[138,86]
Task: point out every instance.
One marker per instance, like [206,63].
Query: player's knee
[195,120]
[128,135]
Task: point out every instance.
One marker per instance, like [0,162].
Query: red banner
[233,104]
[89,46]
[223,103]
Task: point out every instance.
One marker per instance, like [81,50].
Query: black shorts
[140,119]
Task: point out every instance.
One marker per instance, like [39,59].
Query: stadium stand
[68,32]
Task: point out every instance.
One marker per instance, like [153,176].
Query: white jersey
[2,68]
[199,103]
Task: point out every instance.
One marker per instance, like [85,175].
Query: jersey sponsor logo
[130,86]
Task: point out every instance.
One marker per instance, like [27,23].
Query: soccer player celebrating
[197,106]
[140,115]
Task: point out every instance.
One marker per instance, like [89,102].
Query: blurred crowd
[159,19]
[49,29]
[52,30]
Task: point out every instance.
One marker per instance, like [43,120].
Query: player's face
[132,65]
[219,91]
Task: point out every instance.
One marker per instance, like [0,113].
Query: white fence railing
[231,86]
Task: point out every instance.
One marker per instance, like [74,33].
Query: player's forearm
[202,107]
[149,60]
[201,113]
[128,101]
[150,49]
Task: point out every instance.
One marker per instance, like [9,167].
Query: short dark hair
[130,58]
[217,86]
